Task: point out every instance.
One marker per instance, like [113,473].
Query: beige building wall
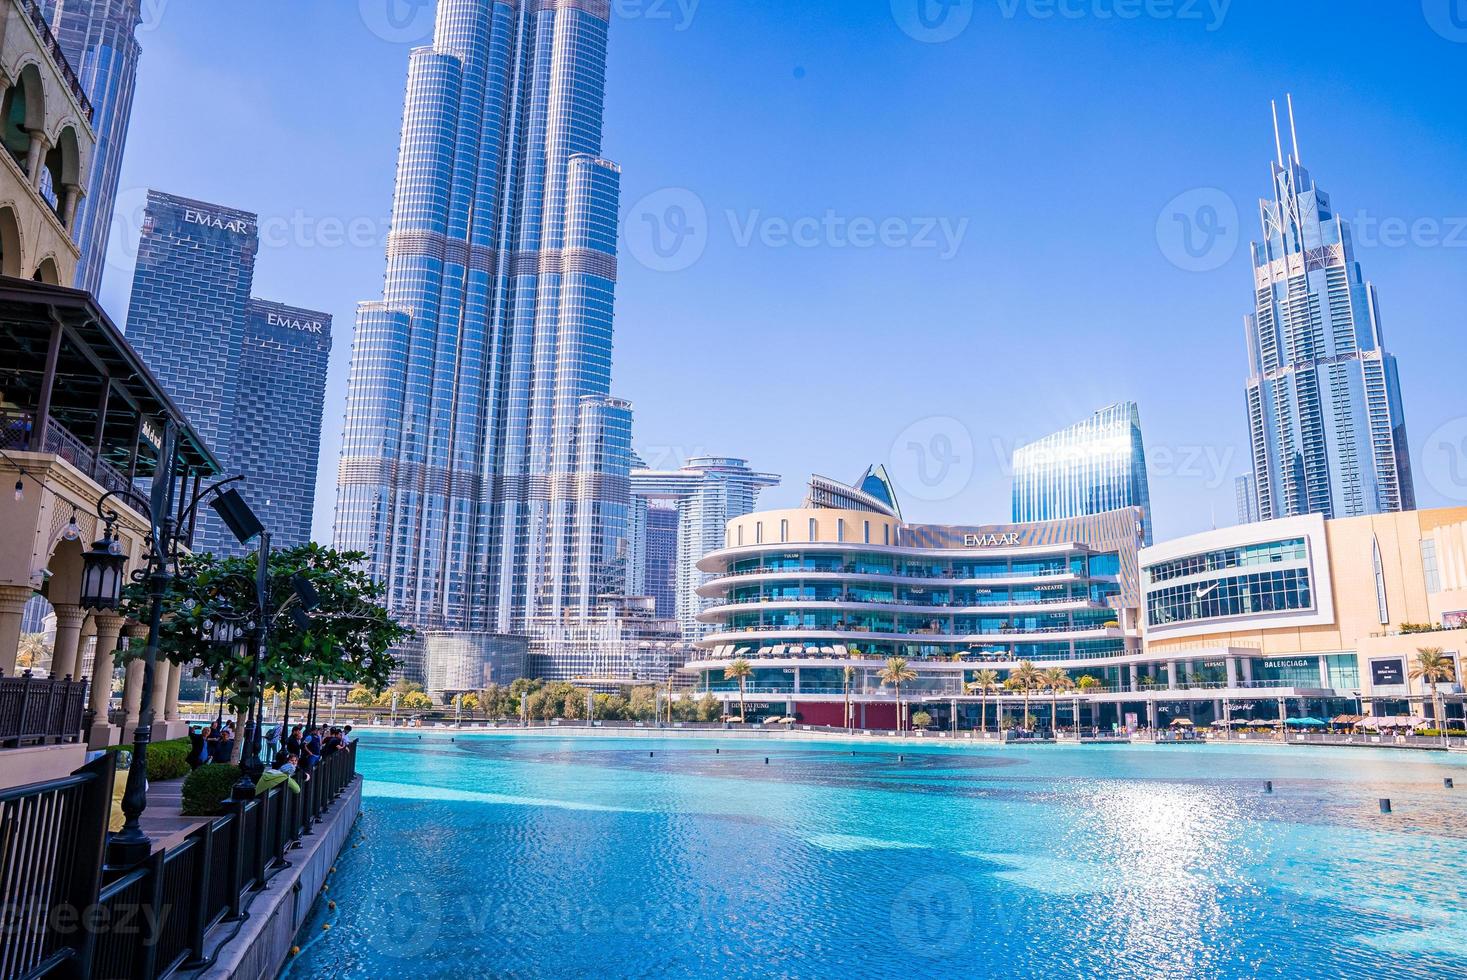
[53,145]
[793,527]
[1357,625]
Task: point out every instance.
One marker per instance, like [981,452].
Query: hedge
[207,787]
[166,760]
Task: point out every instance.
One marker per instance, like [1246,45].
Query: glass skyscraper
[708,492]
[99,39]
[249,374]
[484,464]
[277,428]
[1327,428]
[1094,466]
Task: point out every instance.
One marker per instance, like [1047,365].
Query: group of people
[299,749]
[303,747]
[212,744]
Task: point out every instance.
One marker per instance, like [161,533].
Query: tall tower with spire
[1326,423]
[484,469]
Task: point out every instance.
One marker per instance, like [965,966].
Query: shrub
[207,787]
[166,760]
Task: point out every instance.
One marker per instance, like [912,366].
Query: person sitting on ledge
[280,771]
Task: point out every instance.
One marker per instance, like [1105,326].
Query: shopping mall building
[1297,617]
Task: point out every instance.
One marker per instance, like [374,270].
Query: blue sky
[851,231]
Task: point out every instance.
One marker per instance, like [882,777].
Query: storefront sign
[1384,673]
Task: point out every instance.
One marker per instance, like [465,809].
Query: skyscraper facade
[708,492]
[195,265]
[99,39]
[484,462]
[1247,499]
[1094,466]
[277,429]
[249,374]
[1325,417]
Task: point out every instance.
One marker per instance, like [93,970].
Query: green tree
[1026,677]
[897,672]
[359,695]
[415,701]
[642,705]
[984,683]
[921,719]
[740,670]
[1057,679]
[345,639]
[709,708]
[1432,666]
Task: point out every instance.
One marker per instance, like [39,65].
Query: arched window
[22,112]
[10,244]
[47,272]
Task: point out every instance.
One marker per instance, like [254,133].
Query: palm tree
[1057,679]
[740,669]
[1085,685]
[848,675]
[1432,666]
[1026,677]
[984,683]
[896,672]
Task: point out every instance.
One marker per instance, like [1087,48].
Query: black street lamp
[130,845]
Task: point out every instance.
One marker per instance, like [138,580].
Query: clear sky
[855,227]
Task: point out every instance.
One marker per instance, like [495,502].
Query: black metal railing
[41,711]
[68,916]
[51,866]
[53,48]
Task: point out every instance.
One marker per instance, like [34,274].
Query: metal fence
[67,917]
[41,711]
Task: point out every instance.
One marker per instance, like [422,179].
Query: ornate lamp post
[102,581]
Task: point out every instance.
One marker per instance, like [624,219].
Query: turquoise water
[575,857]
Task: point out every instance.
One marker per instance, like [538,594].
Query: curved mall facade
[1300,616]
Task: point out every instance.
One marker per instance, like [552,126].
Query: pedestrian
[195,747]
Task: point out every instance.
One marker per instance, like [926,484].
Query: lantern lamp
[102,573]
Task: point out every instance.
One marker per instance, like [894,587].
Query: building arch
[64,158]
[23,113]
[12,244]
[48,271]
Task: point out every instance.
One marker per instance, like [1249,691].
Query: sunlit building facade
[1288,618]
[1093,466]
[479,469]
[1326,422]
